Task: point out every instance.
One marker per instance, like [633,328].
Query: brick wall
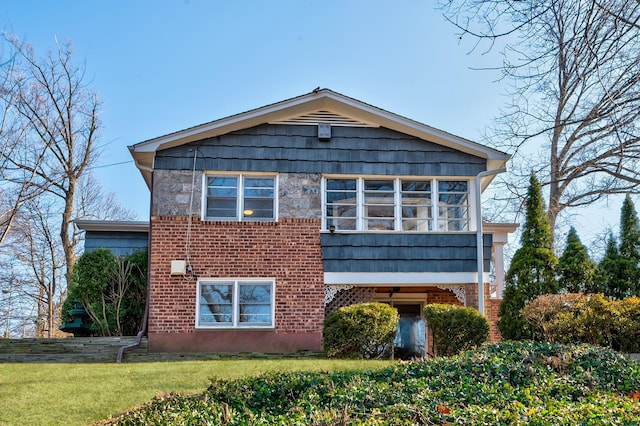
[493,320]
[288,251]
[437,295]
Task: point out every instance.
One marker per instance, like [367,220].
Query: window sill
[232,328]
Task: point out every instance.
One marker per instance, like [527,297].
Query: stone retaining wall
[73,349]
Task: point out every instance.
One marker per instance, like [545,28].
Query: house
[264,222]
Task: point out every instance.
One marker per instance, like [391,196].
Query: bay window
[235,303]
[241,197]
[396,204]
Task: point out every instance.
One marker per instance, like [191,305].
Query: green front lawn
[79,394]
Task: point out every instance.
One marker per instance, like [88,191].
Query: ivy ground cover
[521,383]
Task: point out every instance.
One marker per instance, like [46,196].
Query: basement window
[235,304]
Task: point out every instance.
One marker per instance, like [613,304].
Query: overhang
[112,225]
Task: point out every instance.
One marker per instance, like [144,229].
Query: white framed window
[240,197]
[453,205]
[378,204]
[416,204]
[396,204]
[231,303]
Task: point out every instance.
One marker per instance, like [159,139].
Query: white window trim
[235,325]
[435,197]
[240,198]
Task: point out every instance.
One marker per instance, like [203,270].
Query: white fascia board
[112,225]
[400,278]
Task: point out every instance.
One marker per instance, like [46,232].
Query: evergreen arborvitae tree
[620,269]
[576,271]
[609,277]
[629,231]
[532,268]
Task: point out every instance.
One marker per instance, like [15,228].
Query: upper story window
[453,205]
[240,197]
[421,205]
[235,303]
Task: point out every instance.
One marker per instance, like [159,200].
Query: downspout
[145,317]
[479,245]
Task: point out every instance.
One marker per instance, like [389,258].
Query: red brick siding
[442,296]
[493,321]
[288,251]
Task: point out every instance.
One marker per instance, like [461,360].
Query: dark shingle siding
[296,149]
[120,243]
[403,252]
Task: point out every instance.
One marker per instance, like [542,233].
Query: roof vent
[324,132]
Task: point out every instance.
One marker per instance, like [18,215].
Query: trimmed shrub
[540,313]
[455,328]
[111,289]
[627,337]
[586,318]
[364,330]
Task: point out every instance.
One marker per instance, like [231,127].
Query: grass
[80,394]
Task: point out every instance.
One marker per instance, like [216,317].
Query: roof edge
[92,225]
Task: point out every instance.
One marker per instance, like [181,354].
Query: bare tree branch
[574,69]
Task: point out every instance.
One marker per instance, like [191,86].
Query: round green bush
[364,330]
[455,328]
[111,289]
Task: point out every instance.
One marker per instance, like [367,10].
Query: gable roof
[320,105]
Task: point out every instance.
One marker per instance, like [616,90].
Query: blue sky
[162,66]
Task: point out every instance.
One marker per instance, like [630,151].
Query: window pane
[378,185]
[341,184]
[258,182]
[256,208]
[452,186]
[344,224]
[223,181]
[216,303]
[416,186]
[221,207]
[380,211]
[341,197]
[380,224]
[222,193]
[254,303]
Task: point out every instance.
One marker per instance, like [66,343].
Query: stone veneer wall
[175,190]
[287,251]
[299,195]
